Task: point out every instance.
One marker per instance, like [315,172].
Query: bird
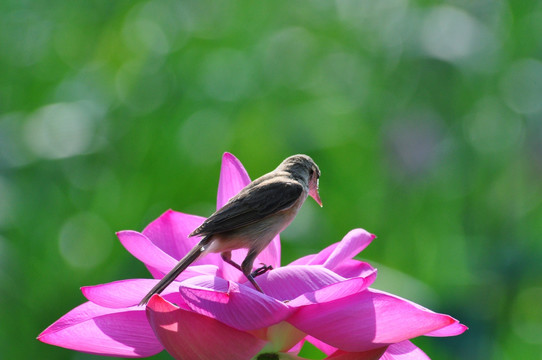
[252,218]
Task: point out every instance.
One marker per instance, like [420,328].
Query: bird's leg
[247,268]
[261,270]
[226,256]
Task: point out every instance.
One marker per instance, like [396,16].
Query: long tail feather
[185,262]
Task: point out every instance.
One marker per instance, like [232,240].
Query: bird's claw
[261,270]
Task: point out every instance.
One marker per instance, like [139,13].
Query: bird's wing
[250,205]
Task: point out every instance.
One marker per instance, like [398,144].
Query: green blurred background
[424,117]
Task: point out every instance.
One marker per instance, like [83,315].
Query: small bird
[252,218]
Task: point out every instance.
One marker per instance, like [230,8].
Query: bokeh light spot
[449,33]
[85,241]
[143,35]
[521,86]
[60,130]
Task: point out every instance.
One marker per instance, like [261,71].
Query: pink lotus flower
[212,312]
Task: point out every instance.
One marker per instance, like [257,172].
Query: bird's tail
[189,258]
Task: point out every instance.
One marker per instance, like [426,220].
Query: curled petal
[367,320]
[142,248]
[305,259]
[170,233]
[404,350]
[354,268]
[302,285]
[287,283]
[153,257]
[97,330]
[315,259]
[187,335]
[235,305]
[352,244]
[333,292]
[334,255]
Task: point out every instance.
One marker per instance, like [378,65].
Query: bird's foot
[261,270]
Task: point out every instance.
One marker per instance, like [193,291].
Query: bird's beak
[313,192]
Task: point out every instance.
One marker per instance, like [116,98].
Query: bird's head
[304,169]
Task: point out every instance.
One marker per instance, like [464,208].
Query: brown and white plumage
[252,218]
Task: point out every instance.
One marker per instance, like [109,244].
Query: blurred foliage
[424,117]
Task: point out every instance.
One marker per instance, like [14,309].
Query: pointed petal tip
[228,159]
[91,328]
[44,336]
[166,213]
[84,290]
[228,156]
[360,232]
[41,336]
[453,329]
